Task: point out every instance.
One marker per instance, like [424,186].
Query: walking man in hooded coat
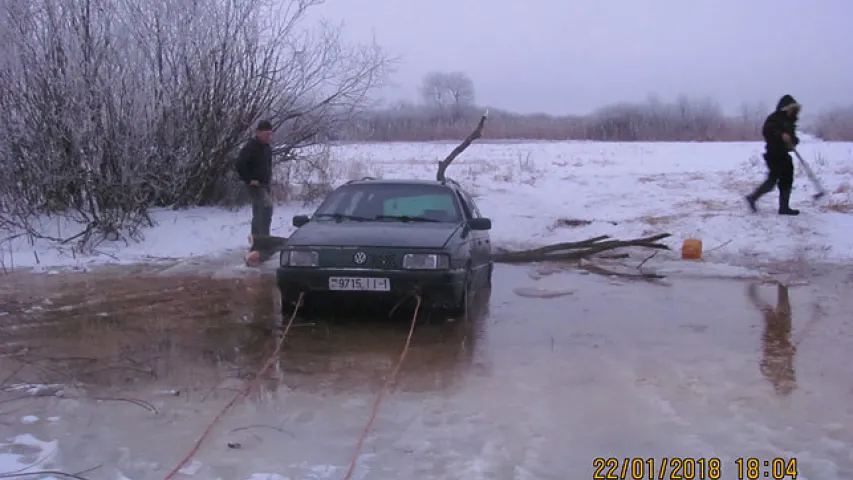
[780,136]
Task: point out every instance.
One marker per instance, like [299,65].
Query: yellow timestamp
[689,468]
[664,468]
[751,468]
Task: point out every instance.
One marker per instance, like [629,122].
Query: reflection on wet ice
[129,332]
[777,362]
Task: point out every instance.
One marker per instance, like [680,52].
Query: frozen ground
[530,189]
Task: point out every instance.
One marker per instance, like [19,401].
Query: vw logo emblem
[359,258]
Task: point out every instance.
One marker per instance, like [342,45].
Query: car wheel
[489,274]
[461,306]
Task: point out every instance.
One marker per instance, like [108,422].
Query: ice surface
[29,454]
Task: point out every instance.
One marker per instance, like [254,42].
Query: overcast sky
[571,56]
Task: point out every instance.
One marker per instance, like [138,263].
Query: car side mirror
[481,223]
[299,220]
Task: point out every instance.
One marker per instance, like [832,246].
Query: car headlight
[299,258]
[425,261]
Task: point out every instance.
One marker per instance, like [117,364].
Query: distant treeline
[683,120]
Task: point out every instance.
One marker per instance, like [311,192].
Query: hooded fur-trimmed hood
[787,102]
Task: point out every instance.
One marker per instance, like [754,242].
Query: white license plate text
[359,284]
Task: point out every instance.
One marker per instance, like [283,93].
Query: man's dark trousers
[781,174]
[261,209]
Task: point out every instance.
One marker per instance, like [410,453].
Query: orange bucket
[691,249]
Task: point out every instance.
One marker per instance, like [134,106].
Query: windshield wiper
[340,217]
[406,218]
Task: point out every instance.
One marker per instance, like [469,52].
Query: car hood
[372,234]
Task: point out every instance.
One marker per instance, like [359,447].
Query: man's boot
[784,199]
[750,199]
[761,190]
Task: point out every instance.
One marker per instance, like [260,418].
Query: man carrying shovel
[780,136]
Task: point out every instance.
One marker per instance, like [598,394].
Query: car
[387,239]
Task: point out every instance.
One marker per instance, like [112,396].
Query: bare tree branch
[571,251]
[477,133]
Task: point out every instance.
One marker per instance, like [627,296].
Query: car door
[480,246]
[484,238]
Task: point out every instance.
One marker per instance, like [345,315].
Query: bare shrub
[312,178]
[839,206]
[683,120]
[835,125]
[526,163]
[358,169]
[406,122]
[656,220]
[649,178]
[115,106]
[842,199]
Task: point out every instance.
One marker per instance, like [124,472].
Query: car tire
[461,306]
[489,274]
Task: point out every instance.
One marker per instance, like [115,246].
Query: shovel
[820,191]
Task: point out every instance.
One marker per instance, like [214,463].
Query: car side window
[472,205]
[465,207]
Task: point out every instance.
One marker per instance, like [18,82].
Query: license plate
[359,284]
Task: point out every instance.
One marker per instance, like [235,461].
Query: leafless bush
[683,120]
[835,125]
[114,106]
[311,178]
[406,122]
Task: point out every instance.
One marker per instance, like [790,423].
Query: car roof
[396,181]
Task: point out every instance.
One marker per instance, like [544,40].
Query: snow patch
[192,468]
[308,472]
[543,192]
[30,454]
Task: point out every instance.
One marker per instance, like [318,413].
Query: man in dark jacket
[254,166]
[780,136]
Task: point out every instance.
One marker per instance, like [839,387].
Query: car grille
[345,258]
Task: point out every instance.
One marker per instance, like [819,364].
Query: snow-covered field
[530,189]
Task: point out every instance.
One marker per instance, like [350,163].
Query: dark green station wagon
[385,239]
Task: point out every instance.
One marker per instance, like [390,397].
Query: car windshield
[391,202]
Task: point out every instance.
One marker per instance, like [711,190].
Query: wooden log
[570,251]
